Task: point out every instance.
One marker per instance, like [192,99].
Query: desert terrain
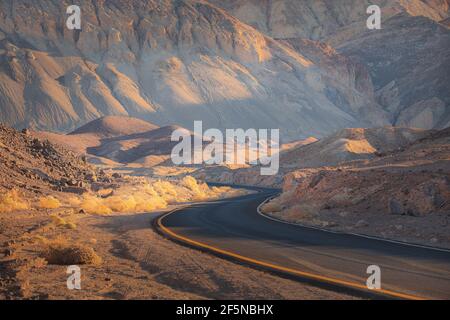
[102,221]
[395,191]
[86,118]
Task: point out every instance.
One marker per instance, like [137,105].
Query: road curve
[232,228]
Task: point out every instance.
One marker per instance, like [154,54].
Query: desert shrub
[73,201]
[190,183]
[151,196]
[272,206]
[60,222]
[11,201]
[94,205]
[66,254]
[38,263]
[70,225]
[145,203]
[39,239]
[166,190]
[49,202]
[299,212]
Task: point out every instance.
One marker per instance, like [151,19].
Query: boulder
[395,207]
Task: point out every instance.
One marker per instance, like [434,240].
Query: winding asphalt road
[233,228]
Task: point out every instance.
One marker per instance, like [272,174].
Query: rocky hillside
[114,126]
[167,62]
[37,166]
[402,193]
[240,63]
[353,145]
[118,140]
[318,19]
[141,147]
[407,59]
[350,144]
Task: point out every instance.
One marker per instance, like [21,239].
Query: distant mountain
[113,126]
[407,60]
[350,144]
[93,133]
[167,62]
[118,140]
[239,63]
[383,195]
[319,19]
[142,147]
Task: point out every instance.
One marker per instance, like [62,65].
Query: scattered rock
[361,223]
[72,182]
[316,179]
[396,207]
[76,190]
[91,177]
[413,212]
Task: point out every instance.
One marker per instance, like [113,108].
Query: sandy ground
[137,264]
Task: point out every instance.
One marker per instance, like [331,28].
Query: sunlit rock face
[407,59]
[169,62]
[318,19]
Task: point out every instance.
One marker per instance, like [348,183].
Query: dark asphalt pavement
[235,226]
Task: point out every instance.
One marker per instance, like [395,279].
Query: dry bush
[63,253]
[151,196]
[271,207]
[11,201]
[38,263]
[71,225]
[39,239]
[60,222]
[94,205]
[167,191]
[49,202]
[299,212]
[73,201]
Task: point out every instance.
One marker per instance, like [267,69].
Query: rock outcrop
[167,62]
[407,59]
[37,166]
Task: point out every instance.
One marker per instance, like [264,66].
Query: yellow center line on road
[281,268]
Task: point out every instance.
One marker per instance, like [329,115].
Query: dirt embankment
[136,263]
[56,210]
[402,194]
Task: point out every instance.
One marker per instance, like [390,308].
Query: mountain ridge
[165,62]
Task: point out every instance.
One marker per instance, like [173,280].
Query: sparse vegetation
[94,205]
[61,252]
[272,206]
[61,222]
[49,202]
[11,201]
[149,196]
